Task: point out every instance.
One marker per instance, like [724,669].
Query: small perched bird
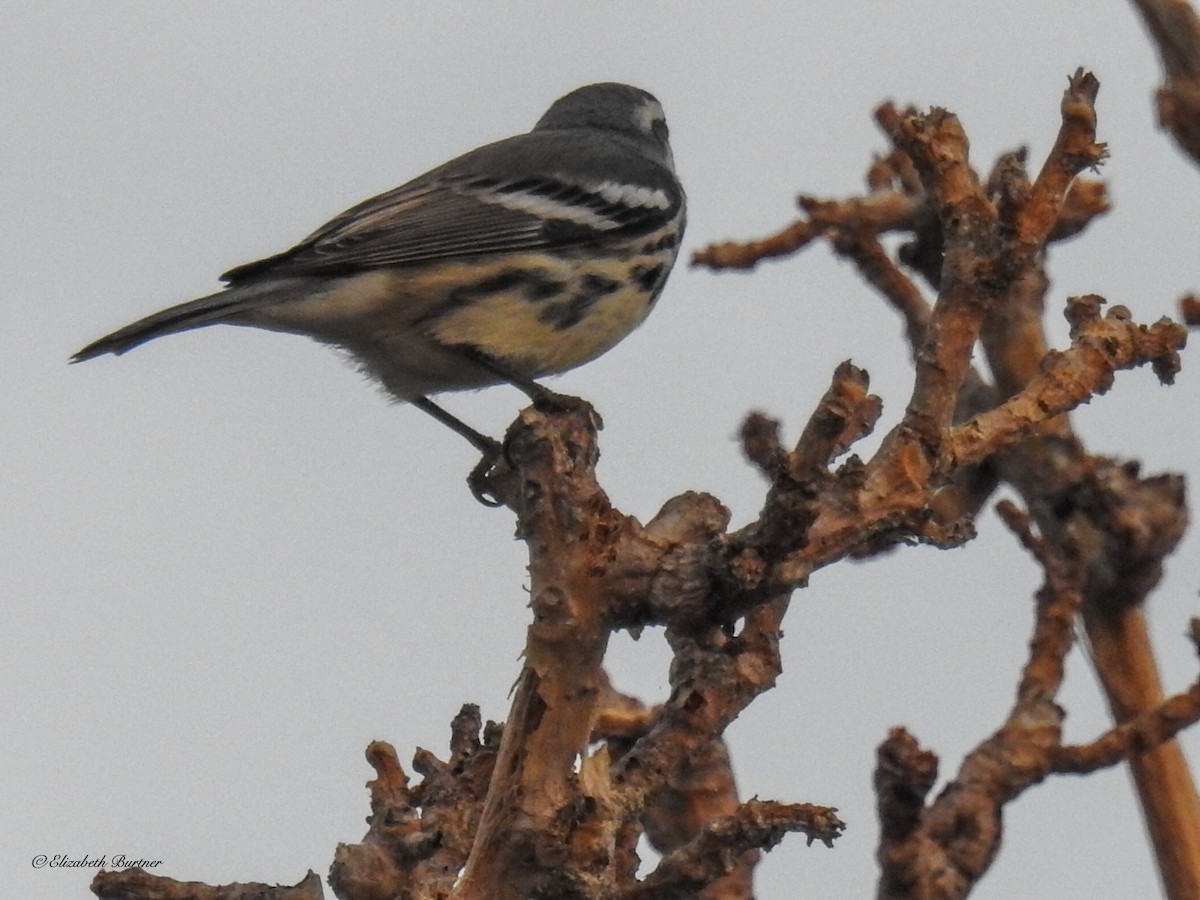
[519,259]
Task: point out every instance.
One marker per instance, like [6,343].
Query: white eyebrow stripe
[649,112]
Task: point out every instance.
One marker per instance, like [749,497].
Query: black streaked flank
[531,282]
[534,285]
[599,285]
[648,277]
[539,289]
[569,313]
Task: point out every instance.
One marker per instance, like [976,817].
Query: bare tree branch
[137,884]
[1175,29]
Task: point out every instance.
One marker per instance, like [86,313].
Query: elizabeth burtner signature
[67,861]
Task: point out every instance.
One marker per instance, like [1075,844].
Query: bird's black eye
[659,128]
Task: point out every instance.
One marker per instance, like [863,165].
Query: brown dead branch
[420,836]
[137,884]
[1175,29]
[1099,348]
[938,851]
[984,251]
[686,872]
[1189,310]
[1147,731]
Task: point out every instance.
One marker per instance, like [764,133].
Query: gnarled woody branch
[938,851]
[1125,526]
[420,837]
[1010,284]
[1072,493]
[812,515]
[687,871]
[717,673]
[897,203]
[1099,347]
[137,884]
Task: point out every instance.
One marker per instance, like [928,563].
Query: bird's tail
[222,306]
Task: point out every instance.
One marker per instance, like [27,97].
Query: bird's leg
[542,397]
[480,442]
[489,447]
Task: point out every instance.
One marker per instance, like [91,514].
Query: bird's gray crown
[612,107]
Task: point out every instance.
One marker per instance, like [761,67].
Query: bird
[520,259]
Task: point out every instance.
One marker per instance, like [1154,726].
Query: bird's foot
[483,480]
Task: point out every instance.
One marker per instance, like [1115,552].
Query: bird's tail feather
[218,307]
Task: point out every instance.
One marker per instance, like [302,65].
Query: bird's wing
[484,203]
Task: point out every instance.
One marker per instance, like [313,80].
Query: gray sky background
[228,564]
